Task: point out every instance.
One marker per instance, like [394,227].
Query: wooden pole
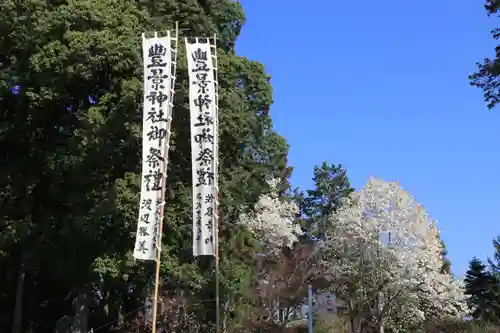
[217,273]
[164,185]
[217,289]
[216,224]
[157,273]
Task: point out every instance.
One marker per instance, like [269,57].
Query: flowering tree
[272,220]
[386,256]
[284,288]
[441,295]
[286,267]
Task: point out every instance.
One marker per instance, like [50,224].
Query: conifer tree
[70,100]
[482,288]
[331,186]
[487,77]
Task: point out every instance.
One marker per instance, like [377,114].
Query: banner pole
[217,202]
[157,279]
[164,184]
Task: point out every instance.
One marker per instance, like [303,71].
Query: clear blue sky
[381,87]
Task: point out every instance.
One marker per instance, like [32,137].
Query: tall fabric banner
[204,145]
[159,75]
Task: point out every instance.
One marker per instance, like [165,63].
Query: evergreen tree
[446,261]
[331,186]
[495,262]
[487,77]
[482,288]
[70,91]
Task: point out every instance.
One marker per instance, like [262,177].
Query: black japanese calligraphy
[143,231]
[154,180]
[154,158]
[204,119]
[204,177]
[156,116]
[156,53]
[155,230]
[209,198]
[204,137]
[157,98]
[200,59]
[145,218]
[157,133]
[203,102]
[142,247]
[146,204]
[198,225]
[202,83]
[159,204]
[209,240]
[206,157]
[198,215]
[210,225]
[157,78]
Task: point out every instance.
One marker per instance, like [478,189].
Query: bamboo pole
[157,275]
[164,185]
[216,224]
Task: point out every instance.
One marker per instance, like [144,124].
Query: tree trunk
[18,307]
[352,317]
[82,311]
[381,306]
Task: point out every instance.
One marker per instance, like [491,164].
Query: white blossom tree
[385,254]
[441,295]
[272,219]
[286,267]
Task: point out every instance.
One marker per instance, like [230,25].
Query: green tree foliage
[70,143]
[331,185]
[70,134]
[487,77]
[446,261]
[484,291]
[495,262]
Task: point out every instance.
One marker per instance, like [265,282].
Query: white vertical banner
[203,115]
[159,75]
